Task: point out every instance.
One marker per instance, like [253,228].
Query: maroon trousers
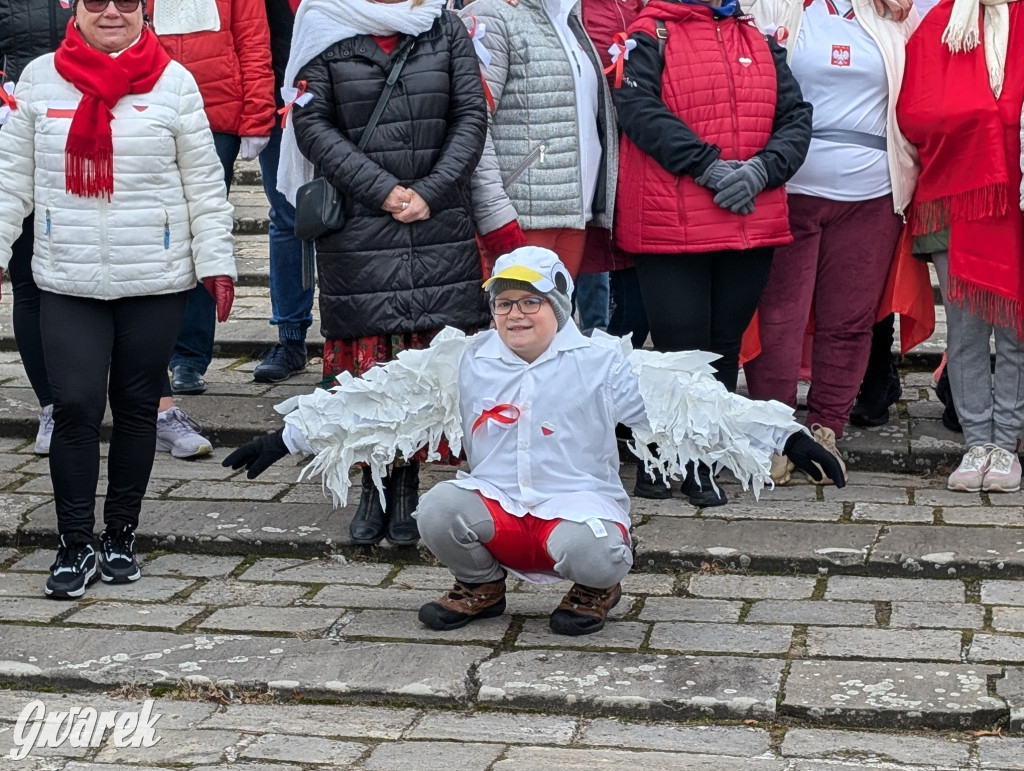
[836,266]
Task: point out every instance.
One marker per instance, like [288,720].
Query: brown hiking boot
[464,603]
[584,609]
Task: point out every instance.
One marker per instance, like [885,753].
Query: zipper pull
[167,231]
[542,149]
[47,223]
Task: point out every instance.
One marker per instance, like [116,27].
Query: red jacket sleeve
[252,45]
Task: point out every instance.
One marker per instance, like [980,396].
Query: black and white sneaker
[72,571]
[117,556]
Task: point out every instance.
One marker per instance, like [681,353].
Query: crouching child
[538,403]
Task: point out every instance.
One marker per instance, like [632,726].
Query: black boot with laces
[117,555]
[72,571]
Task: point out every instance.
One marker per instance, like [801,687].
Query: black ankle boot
[403,496]
[875,399]
[367,526]
[650,485]
[698,487]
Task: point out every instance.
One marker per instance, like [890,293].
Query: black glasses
[526,305]
[99,6]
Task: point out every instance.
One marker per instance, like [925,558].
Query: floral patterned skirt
[359,355]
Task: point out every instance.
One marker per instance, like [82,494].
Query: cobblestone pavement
[879,626]
[281,644]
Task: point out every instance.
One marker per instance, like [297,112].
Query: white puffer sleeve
[17,167]
[211,217]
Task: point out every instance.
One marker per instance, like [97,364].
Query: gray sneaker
[45,432]
[179,435]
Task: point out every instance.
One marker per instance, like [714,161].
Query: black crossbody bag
[319,207]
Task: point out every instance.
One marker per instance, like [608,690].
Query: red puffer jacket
[232,67]
[723,92]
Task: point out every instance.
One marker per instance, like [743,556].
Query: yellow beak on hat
[516,273]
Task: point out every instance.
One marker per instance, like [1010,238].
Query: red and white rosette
[619,51]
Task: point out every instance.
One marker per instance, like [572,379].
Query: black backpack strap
[662,31]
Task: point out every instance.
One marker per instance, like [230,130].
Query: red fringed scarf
[103,80]
[969,144]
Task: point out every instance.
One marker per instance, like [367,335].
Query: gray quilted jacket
[531,160]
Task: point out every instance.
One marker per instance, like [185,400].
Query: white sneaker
[1003,472]
[970,474]
[45,432]
[179,435]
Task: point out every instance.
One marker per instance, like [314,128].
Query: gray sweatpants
[456,526]
[990,407]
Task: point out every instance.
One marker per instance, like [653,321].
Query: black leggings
[94,347]
[26,313]
[703,301]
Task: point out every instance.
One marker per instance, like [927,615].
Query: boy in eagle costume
[534,405]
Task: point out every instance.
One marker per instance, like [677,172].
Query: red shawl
[969,144]
[103,80]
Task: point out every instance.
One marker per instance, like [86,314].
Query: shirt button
[524,445]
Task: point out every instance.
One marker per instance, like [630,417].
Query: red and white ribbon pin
[619,51]
[499,415]
[477,31]
[293,96]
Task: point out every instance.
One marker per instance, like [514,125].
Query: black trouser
[703,301]
[26,313]
[96,347]
[880,360]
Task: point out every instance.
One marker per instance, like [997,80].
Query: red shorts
[521,543]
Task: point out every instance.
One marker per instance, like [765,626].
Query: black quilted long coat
[378,275]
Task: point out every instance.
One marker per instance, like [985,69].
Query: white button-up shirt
[540,436]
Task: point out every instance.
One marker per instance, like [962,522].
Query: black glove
[715,173]
[741,187]
[259,454]
[813,459]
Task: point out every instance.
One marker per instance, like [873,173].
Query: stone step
[344,631]
[882,523]
[220,725]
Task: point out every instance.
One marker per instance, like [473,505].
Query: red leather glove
[504,240]
[221,289]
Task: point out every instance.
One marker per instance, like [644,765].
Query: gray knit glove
[715,173]
[740,187]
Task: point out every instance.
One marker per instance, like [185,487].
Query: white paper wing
[400,406]
[694,418]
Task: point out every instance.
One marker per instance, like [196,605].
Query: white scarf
[183,17]
[319,24]
[962,34]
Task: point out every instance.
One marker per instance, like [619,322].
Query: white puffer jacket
[168,220]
